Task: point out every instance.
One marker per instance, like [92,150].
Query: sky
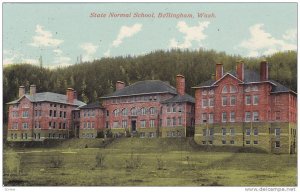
[61,33]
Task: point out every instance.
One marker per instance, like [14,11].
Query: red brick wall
[286,105]
[98,119]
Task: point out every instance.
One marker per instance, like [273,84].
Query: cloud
[15,57]
[125,32]
[107,53]
[44,38]
[89,49]
[57,52]
[193,33]
[290,34]
[263,43]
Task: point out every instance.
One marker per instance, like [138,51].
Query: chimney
[32,90]
[21,91]
[75,94]
[70,95]
[240,70]
[120,85]
[219,71]
[180,84]
[264,70]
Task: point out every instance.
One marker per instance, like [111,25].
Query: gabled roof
[50,97]
[250,76]
[91,106]
[143,87]
[180,99]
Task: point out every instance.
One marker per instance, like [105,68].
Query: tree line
[97,78]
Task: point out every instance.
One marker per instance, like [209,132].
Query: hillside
[97,78]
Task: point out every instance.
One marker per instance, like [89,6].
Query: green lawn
[148,162]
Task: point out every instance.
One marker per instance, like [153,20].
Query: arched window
[152,110]
[254,88]
[225,89]
[116,112]
[211,92]
[133,111]
[233,89]
[124,112]
[143,111]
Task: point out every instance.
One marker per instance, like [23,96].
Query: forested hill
[97,78]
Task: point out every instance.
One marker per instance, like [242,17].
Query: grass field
[147,162]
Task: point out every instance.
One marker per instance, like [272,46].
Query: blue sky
[61,32]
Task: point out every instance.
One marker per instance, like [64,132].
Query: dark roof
[279,88]
[50,97]
[144,87]
[251,76]
[91,106]
[180,99]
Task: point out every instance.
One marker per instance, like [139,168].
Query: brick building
[91,120]
[244,108]
[149,108]
[38,116]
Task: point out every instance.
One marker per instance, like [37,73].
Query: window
[116,112]
[247,142]
[223,131]
[248,100]
[211,131]
[107,113]
[255,131]
[204,117]
[210,142]
[211,118]
[277,131]
[225,90]
[115,124]
[232,116]
[151,134]
[204,103]
[277,144]
[254,88]
[142,134]
[223,142]
[232,131]
[248,132]
[255,142]
[143,123]
[152,123]
[16,136]
[247,116]
[179,121]
[224,117]
[204,131]
[204,92]
[54,113]
[255,116]
[152,110]
[92,125]
[277,115]
[124,112]
[15,125]
[37,124]
[174,121]
[124,124]
[169,122]
[211,102]
[211,92]
[233,89]
[232,142]
[255,99]
[65,114]
[248,88]
[25,114]
[180,108]
[60,114]
[54,125]
[232,100]
[133,111]
[204,142]
[224,101]
[25,125]
[168,108]
[174,108]
[143,111]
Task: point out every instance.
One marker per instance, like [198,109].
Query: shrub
[56,162]
[100,160]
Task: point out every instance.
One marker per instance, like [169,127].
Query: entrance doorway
[133,126]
